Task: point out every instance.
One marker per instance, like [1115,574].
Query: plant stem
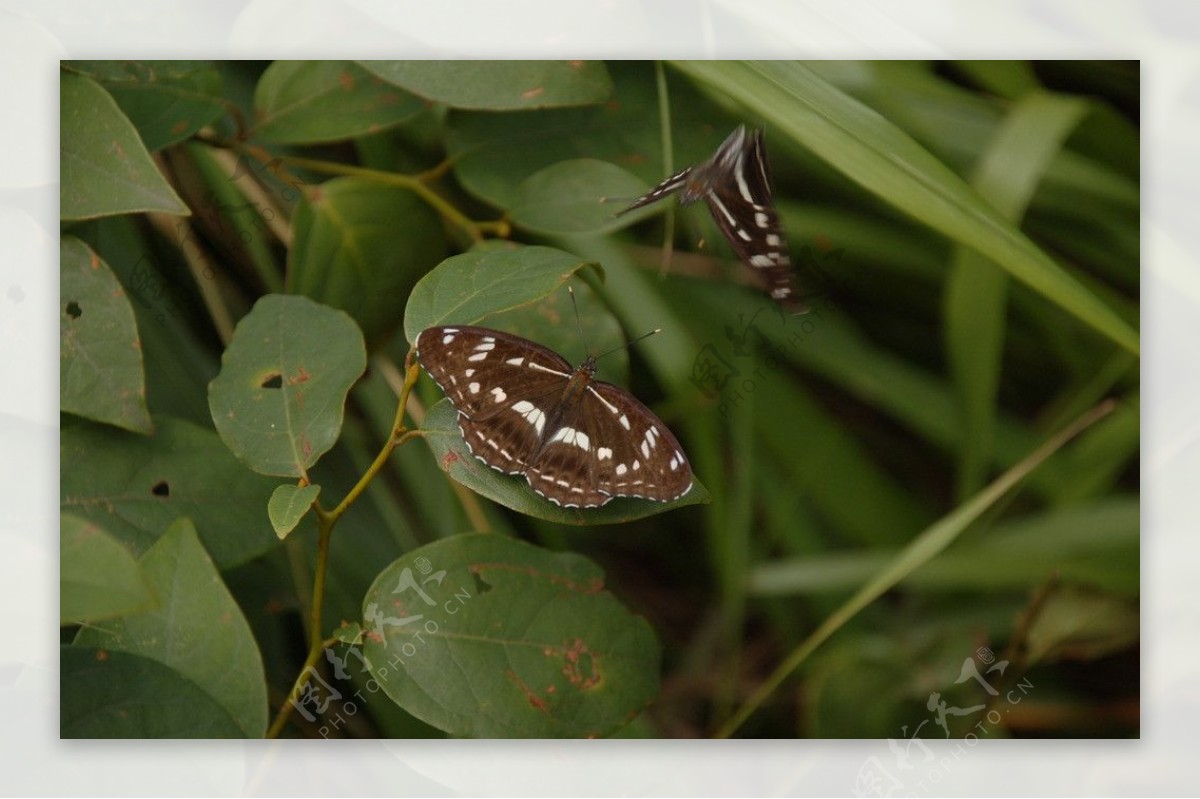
[325,524]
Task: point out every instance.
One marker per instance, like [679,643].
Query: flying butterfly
[737,188]
[524,410]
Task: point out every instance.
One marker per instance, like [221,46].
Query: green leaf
[488,637]
[566,197]
[100,363]
[870,151]
[104,167]
[1008,172]
[1091,545]
[361,247]
[1075,624]
[302,102]
[278,400]
[98,575]
[466,288]
[288,505]
[167,101]
[134,486]
[105,694]
[500,85]
[198,631]
[493,153]
[445,439]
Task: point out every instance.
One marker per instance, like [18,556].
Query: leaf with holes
[302,102]
[98,575]
[104,166]
[198,630]
[278,400]
[100,361]
[288,505]
[445,440]
[134,486]
[361,247]
[500,85]
[487,637]
[467,288]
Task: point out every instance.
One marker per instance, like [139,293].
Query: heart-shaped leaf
[278,400]
[484,636]
[100,365]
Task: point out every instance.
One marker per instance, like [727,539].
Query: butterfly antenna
[631,343]
[578,321]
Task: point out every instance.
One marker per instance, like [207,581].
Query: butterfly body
[523,409]
[735,185]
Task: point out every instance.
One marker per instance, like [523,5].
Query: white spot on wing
[625,421]
[499,394]
[516,361]
[446,339]
[621,469]
[532,414]
[479,356]
[473,388]
[603,452]
[612,408]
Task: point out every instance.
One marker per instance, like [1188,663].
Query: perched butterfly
[735,184]
[524,410]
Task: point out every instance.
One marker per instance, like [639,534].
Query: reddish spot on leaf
[529,94]
[301,376]
[101,655]
[534,700]
[179,127]
[575,65]
[580,665]
[95,261]
[448,460]
[346,80]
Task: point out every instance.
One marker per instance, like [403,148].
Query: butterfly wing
[502,386]
[668,187]
[740,201]
[635,454]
